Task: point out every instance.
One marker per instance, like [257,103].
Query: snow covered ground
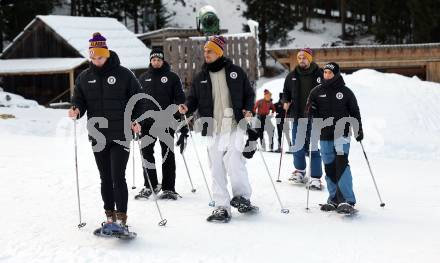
[39,209]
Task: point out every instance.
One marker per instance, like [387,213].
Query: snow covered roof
[78,30]
[39,65]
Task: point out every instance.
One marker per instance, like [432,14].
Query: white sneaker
[315,184]
[298,177]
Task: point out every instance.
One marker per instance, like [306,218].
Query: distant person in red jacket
[262,109]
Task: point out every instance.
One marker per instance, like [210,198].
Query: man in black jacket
[165,87]
[336,105]
[297,87]
[222,94]
[103,90]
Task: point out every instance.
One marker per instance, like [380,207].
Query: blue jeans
[299,151]
[338,174]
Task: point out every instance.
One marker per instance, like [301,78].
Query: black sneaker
[328,207]
[346,208]
[242,204]
[220,215]
[170,195]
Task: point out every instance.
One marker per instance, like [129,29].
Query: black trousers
[168,164]
[280,131]
[268,127]
[111,163]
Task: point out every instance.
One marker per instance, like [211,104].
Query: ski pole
[163,221]
[81,224]
[134,181]
[283,210]
[309,174]
[382,204]
[211,203]
[187,171]
[281,148]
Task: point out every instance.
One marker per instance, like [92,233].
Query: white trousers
[225,153]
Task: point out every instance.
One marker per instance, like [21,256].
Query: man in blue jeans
[337,106]
[297,87]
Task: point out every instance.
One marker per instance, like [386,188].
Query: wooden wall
[422,60]
[186,56]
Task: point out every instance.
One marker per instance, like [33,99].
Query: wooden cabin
[42,62]
[422,60]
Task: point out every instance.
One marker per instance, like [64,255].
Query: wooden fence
[186,55]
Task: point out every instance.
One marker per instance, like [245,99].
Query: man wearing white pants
[222,94]
[227,159]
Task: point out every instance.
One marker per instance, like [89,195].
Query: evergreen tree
[275,17]
[393,25]
[15,15]
[425,16]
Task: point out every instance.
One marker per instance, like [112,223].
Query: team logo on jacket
[233,75]
[164,79]
[318,80]
[339,95]
[111,80]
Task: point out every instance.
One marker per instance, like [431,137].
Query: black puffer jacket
[333,99]
[292,86]
[163,85]
[240,90]
[104,92]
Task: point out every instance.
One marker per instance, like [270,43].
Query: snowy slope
[12,100]
[38,196]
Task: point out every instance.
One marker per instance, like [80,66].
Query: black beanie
[333,67]
[157,53]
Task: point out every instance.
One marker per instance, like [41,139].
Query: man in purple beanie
[103,91]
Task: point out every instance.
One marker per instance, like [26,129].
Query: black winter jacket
[163,85]
[291,90]
[240,90]
[104,92]
[333,99]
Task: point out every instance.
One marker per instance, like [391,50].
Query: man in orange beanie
[103,91]
[221,93]
[297,87]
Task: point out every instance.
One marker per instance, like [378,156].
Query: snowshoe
[243,205]
[315,184]
[170,195]
[327,207]
[219,215]
[146,192]
[346,209]
[114,230]
[298,177]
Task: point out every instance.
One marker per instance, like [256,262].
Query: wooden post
[433,71]
[71,81]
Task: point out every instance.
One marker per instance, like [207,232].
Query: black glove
[360,135]
[182,138]
[251,143]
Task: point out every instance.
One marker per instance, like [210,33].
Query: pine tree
[393,25]
[15,15]
[275,17]
[425,15]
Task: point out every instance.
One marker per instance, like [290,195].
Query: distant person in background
[332,99]
[265,109]
[297,87]
[281,114]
